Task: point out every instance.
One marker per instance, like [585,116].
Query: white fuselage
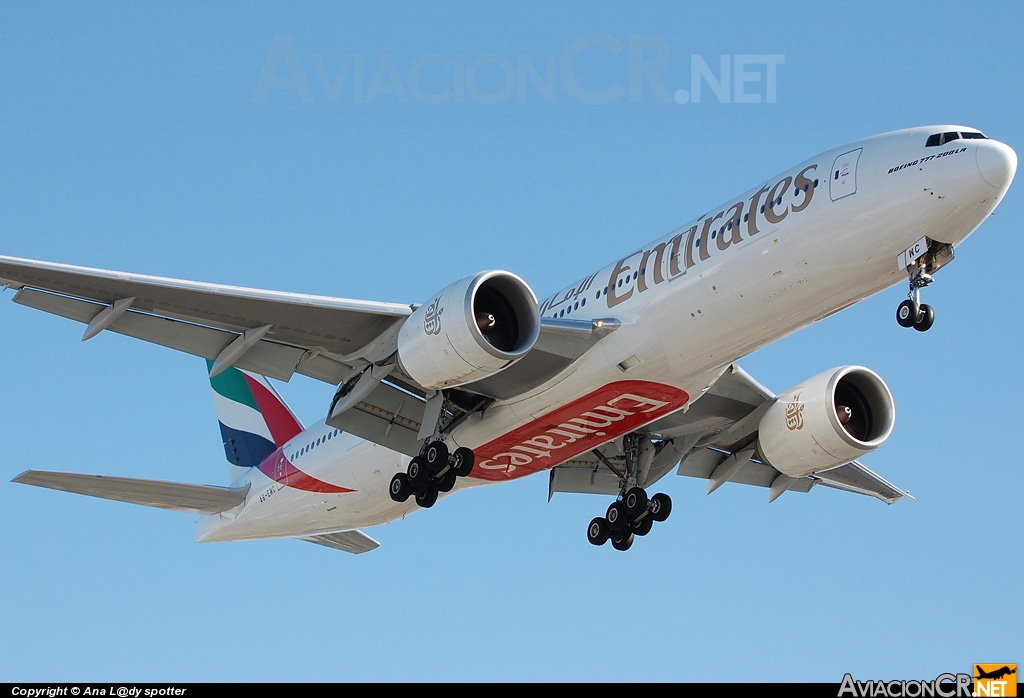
[690,303]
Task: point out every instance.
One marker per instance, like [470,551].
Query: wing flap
[582,477]
[702,462]
[387,416]
[177,496]
[355,541]
[71,308]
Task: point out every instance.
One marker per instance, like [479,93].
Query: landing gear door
[843,181]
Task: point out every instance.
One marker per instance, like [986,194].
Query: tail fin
[254,420]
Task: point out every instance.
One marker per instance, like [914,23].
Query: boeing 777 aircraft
[608,384]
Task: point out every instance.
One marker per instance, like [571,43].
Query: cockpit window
[942,138]
[973,134]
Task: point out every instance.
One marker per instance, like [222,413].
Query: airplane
[607,385]
[996,673]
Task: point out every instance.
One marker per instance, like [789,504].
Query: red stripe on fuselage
[582,425]
[279,469]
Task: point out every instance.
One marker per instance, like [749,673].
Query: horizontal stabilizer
[347,541]
[196,499]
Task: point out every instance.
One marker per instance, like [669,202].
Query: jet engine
[828,420]
[469,330]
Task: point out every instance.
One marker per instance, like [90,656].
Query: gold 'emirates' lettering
[705,235]
[621,268]
[733,226]
[775,198]
[650,263]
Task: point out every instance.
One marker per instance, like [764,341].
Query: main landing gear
[434,470]
[634,513]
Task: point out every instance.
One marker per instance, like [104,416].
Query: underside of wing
[398,415]
[354,345]
[269,332]
[272,333]
[715,439]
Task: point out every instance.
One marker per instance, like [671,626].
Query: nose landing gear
[921,260]
[911,312]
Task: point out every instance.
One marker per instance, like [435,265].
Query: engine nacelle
[469,330]
[830,419]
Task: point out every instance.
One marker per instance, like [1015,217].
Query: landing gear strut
[930,256]
[634,514]
[911,312]
[434,470]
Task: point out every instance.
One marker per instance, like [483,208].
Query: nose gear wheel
[912,312]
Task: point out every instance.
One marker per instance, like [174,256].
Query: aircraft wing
[717,431]
[272,333]
[279,333]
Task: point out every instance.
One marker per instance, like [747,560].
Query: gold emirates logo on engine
[794,414]
[432,317]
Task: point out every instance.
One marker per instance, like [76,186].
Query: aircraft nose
[997,163]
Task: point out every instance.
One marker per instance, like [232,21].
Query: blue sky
[147,138]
